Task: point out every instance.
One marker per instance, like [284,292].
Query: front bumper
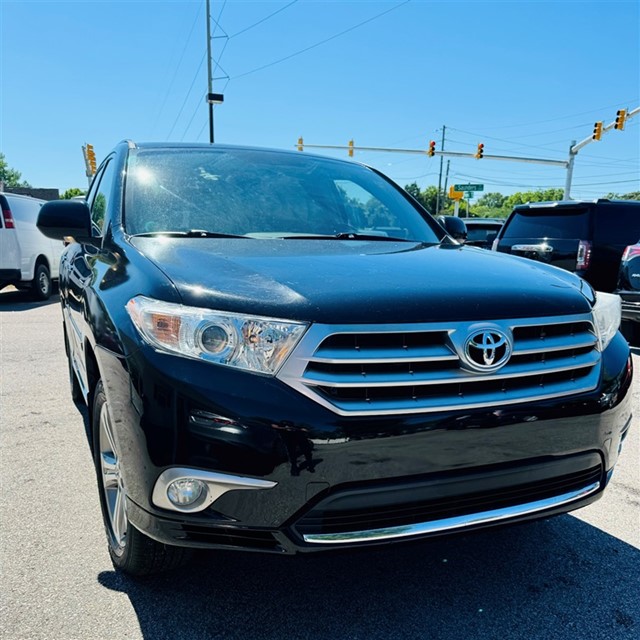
[340,481]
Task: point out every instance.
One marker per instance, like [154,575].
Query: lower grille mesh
[324,518]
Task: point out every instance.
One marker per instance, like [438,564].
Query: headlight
[246,342]
[607,313]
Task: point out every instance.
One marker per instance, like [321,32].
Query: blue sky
[524,78]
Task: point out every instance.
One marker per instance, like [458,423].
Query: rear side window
[617,225]
[565,223]
[24,209]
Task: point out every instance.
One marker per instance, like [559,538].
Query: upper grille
[418,368]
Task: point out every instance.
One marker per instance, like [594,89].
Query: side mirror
[454,226]
[61,218]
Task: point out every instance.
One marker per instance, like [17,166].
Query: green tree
[428,197]
[72,193]
[10,177]
[413,190]
[634,195]
[541,195]
[493,200]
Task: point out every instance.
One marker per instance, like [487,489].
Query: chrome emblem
[487,349]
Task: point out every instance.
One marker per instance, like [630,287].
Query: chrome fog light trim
[213,485]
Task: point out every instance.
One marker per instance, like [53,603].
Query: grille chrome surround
[359,370]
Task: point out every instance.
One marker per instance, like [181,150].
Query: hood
[353,281]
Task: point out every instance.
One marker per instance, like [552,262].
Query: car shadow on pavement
[14,300]
[558,578]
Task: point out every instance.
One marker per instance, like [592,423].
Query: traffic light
[480,151]
[432,149]
[621,116]
[300,144]
[91,159]
[351,148]
[597,131]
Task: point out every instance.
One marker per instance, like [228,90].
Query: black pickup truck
[285,353]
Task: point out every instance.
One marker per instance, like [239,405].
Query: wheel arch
[41,259]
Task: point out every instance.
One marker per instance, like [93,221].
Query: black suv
[586,237]
[283,352]
[629,290]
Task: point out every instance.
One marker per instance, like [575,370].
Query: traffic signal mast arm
[622,116]
[452,154]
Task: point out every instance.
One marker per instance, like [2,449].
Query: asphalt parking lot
[575,576]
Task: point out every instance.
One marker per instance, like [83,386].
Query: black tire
[131,551]
[41,286]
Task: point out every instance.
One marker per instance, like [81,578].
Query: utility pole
[212,98]
[567,184]
[446,178]
[440,177]
[210,78]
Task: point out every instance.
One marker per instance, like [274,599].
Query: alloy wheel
[112,482]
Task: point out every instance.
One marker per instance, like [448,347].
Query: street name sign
[468,187]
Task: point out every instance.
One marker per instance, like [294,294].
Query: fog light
[185,491]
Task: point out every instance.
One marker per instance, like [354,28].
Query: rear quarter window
[617,225]
[24,210]
[565,223]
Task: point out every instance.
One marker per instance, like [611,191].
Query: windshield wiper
[192,233]
[347,235]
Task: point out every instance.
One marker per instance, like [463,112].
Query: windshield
[264,194]
[565,223]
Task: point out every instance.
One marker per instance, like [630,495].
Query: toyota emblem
[487,349]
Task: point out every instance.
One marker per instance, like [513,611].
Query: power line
[204,55]
[175,72]
[532,146]
[255,24]
[206,122]
[573,115]
[317,44]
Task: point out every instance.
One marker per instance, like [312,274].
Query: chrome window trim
[448,524]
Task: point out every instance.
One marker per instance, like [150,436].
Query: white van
[28,259]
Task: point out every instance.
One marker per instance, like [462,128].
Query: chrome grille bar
[419,368]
